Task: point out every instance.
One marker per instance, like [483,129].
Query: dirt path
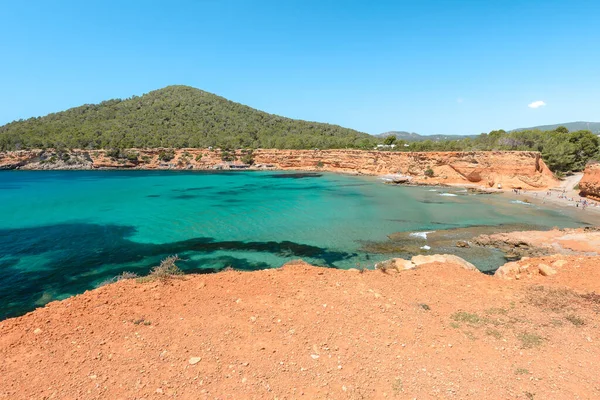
[313,333]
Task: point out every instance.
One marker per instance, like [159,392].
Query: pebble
[195,360]
[37,331]
[314,356]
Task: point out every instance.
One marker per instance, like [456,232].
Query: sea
[64,232]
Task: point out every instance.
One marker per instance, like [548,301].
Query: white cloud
[536,104]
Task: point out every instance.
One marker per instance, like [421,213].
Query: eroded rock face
[589,186]
[522,169]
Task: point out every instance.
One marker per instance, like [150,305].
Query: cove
[64,232]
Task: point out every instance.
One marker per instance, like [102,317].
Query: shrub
[199,157]
[247,157]
[165,271]
[429,172]
[121,277]
[166,155]
[227,155]
[113,153]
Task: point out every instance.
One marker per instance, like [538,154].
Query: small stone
[546,270]
[159,391]
[559,263]
[195,360]
[37,331]
[314,356]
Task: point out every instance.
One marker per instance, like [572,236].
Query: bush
[113,153]
[165,271]
[227,155]
[121,277]
[166,155]
[429,172]
[199,157]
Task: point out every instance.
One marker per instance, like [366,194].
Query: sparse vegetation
[424,306]
[496,311]
[530,340]
[552,299]
[522,371]
[120,277]
[397,387]
[141,321]
[247,157]
[494,333]
[429,172]
[227,155]
[165,271]
[166,155]
[575,320]
[465,317]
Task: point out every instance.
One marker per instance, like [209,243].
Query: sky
[426,66]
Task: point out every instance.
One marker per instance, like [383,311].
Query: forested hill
[593,127]
[176,116]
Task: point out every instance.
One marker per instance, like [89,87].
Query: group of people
[579,203]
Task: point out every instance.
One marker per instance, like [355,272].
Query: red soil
[313,333]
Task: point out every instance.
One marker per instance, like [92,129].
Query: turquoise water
[63,232]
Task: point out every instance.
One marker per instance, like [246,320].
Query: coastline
[485,169]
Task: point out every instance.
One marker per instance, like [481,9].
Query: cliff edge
[521,169]
[434,330]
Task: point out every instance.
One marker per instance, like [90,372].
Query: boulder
[397,264]
[508,270]
[546,270]
[443,258]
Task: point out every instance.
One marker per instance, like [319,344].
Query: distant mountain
[594,127]
[415,137]
[175,116]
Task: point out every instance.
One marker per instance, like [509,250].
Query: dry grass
[557,300]
[165,271]
[468,318]
[121,277]
[575,320]
[530,340]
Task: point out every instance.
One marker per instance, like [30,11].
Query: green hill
[593,127]
[176,116]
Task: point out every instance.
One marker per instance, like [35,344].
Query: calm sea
[63,232]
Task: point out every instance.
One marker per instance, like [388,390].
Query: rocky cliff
[589,186]
[509,169]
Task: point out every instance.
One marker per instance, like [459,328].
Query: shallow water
[63,232]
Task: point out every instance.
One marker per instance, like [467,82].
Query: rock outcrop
[522,169]
[528,268]
[515,245]
[589,186]
[400,264]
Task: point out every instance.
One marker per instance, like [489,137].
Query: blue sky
[454,67]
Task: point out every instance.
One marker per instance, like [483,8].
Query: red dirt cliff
[509,169]
[589,186]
